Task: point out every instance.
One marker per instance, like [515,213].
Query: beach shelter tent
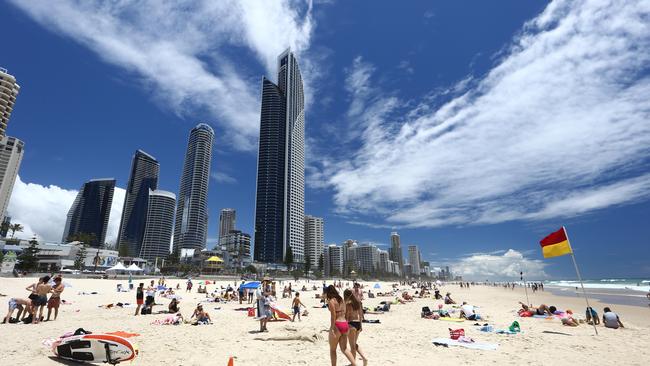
[118,267]
[251,285]
[377,285]
[134,267]
[214,264]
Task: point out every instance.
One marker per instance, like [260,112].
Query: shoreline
[603,295]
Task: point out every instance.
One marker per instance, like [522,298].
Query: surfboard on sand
[95,348]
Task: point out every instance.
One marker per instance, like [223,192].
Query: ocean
[633,284]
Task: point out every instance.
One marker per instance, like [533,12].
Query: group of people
[30,310]
[610,318]
[346,317]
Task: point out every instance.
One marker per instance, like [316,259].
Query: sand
[402,338]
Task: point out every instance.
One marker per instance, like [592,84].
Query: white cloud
[43,210]
[222,177]
[559,127]
[181,50]
[479,266]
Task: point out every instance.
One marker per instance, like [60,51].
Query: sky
[472,128]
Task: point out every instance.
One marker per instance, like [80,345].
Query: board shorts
[40,301]
[54,302]
[139,301]
[296,309]
[12,304]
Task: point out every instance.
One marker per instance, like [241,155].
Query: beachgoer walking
[55,299]
[354,316]
[295,304]
[139,297]
[338,332]
[189,285]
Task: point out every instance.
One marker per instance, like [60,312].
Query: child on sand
[296,303]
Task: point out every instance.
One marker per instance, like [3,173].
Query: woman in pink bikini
[338,333]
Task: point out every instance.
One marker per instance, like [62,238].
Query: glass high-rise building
[280,198]
[90,211]
[159,226]
[191,226]
[144,177]
[11,155]
[227,220]
[396,250]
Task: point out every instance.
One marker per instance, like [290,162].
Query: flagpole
[521,273]
[575,264]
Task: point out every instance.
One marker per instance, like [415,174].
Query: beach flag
[556,244]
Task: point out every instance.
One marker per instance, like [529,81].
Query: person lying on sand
[542,309]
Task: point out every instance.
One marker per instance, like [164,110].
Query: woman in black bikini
[354,316]
[339,328]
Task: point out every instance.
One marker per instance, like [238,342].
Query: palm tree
[15,227]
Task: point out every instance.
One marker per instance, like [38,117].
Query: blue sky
[472,128]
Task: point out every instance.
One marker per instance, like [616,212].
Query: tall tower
[396,250]
[314,239]
[144,177]
[11,154]
[414,259]
[90,211]
[159,227]
[191,226]
[227,219]
[280,199]
[11,148]
[8,91]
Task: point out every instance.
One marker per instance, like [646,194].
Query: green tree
[15,227]
[80,258]
[307,264]
[123,250]
[28,260]
[321,262]
[288,259]
[4,227]
[251,269]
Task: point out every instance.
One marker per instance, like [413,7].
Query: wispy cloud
[180,50]
[222,177]
[559,127]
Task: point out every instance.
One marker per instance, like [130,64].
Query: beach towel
[505,331]
[456,320]
[450,342]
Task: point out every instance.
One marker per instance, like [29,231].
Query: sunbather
[448,299]
[542,309]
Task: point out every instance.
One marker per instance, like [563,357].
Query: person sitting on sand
[173,306]
[448,299]
[467,312]
[611,319]
[436,294]
[296,303]
[23,306]
[202,316]
[569,320]
[592,316]
[55,299]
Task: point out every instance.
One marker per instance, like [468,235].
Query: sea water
[634,284]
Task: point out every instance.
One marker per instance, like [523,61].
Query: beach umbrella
[377,285]
[251,285]
[118,267]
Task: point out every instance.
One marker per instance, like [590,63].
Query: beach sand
[402,338]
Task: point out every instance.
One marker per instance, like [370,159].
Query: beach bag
[426,311]
[456,333]
[251,312]
[514,327]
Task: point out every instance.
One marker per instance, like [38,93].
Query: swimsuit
[342,327]
[12,304]
[296,309]
[41,300]
[355,324]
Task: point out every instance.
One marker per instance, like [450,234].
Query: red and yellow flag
[556,244]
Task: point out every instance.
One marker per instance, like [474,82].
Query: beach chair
[426,312]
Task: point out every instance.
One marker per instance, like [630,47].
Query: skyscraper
[159,226]
[11,154]
[11,149]
[414,259]
[280,199]
[238,246]
[396,250]
[144,177]
[8,91]
[227,221]
[314,239]
[90,211]
[192,207]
